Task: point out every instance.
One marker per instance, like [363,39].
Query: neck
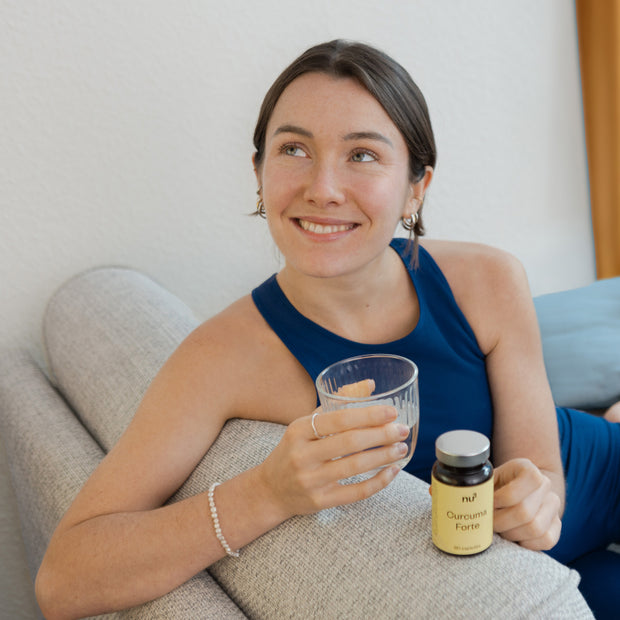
[356,305]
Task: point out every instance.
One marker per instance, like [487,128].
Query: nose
[325,185]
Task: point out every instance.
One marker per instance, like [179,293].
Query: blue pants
[591,458]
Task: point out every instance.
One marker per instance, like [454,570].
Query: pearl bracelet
[216,523]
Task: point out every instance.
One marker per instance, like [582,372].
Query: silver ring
[316,434]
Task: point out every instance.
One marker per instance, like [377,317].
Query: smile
[324,229]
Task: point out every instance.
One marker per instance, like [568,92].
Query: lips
[324,229]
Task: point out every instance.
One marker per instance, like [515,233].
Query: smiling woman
[344,151]
[387,83]
[335,177]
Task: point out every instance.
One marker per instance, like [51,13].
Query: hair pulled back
[385,79]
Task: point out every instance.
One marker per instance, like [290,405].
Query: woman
[344,152]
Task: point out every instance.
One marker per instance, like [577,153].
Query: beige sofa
[107,332]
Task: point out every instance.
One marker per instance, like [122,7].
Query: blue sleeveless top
[454,391]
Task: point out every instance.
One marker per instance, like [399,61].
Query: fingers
[543,530]
[359,440]
[515,480]
[339,494]
[320,497]
[526,507]
[301,482]
[361,462]
[354,432]
[303,472]
[327,423]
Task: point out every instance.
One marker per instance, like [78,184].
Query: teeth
[320,229]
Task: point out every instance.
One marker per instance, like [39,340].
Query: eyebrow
[293,129]
[368,135]
[355,135]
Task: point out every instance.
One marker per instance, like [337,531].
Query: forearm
[558,486]
[120,560]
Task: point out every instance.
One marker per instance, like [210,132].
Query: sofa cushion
[374,559]
[580,332]
[371,559]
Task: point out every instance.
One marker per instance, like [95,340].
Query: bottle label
[462,517]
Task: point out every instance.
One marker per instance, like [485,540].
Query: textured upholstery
[51,455]
[374,559]
[107,333]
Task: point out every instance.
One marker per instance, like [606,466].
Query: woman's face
[334,176]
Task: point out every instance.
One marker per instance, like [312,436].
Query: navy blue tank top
[454,391]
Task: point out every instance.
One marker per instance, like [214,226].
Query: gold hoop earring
[260,205]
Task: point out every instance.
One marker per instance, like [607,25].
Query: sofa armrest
[108,331]
[51,455]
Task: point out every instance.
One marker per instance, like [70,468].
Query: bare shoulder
[231,328]
[250,365]
[489,284]
[227,350]
[198,381]
[477,259]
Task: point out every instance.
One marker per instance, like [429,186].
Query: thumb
[511,470]
[503,474]
[513,481]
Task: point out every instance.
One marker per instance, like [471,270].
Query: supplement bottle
[462,491]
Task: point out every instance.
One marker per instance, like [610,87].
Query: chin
[324,269]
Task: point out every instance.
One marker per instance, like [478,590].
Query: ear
[417,192]
[256,170]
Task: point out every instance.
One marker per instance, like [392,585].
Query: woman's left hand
[526,508]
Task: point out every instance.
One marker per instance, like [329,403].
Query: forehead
[331,102]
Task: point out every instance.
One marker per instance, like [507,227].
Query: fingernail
[403,430]
[390,413]
[401,448]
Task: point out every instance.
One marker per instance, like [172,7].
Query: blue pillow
[580,332]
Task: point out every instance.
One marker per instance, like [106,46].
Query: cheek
[279,185]
[382,196]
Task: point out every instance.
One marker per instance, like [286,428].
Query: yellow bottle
[462,488]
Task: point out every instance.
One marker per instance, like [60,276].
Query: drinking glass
[395,383]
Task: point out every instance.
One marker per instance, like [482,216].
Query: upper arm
[492,290]
[525,422]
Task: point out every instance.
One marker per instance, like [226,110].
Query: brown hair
[385,79]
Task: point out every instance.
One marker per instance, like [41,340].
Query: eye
[293,150]
[363,156]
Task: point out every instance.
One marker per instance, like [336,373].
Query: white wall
[125,135]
